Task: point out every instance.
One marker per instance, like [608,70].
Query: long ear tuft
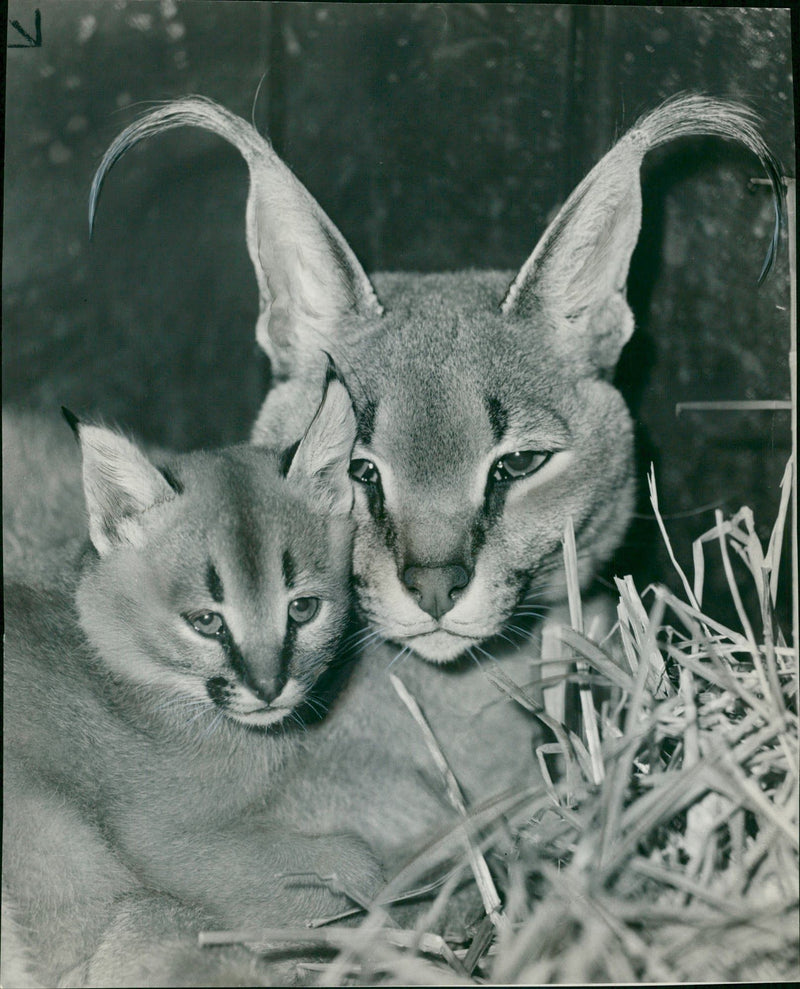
[119,485]
[323,454]
[72,421]
[308,277]
[579,268]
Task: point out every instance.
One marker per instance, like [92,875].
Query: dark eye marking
[214,584]
[288,567]
[498,417]
[366,421]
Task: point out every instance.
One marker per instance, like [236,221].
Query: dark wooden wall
[436,136]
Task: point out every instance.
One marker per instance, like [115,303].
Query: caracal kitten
[149,702]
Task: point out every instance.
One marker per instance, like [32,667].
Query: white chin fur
[440,646]
[248,709]
[259,719]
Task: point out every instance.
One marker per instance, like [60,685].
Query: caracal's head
[221,579]
[480,436]
[486,416]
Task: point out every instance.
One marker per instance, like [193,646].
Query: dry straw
[667,850]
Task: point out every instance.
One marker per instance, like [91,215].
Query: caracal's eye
[302,610]
[208,623]
[523,463]
[364,471]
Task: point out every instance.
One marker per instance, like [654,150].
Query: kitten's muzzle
[221,690]
[252,674]
[436,589]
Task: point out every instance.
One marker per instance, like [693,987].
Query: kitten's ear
[577,274]
[323,454]
[119,484]
[308,277]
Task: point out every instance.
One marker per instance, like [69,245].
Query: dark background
[436,136]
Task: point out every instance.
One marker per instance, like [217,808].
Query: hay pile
[663,846]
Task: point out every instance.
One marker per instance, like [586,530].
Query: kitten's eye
[302,610]
[208,623]
[364,471]
[523,463]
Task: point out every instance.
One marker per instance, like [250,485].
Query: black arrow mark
[37,26]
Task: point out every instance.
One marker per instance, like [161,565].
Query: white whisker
[473,657]
[366,636]
[316,706]
[214,724]
[175,701]
[519,629]
[209,707]
[359,635]
[403,652]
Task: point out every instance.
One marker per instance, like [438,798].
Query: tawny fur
[136,804]
[429,366]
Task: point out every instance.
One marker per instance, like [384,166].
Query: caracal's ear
[119,484]
[578,271]
[308,277]
[323,454]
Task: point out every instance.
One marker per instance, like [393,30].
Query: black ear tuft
[287,456]
[72,420]
[169,476]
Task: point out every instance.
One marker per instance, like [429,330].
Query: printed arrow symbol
[37,26]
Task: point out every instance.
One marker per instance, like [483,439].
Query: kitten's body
[142,742]
[95,785]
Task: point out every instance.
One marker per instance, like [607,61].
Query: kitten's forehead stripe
[289,569]
[498,417]
[241,493]
[214,584]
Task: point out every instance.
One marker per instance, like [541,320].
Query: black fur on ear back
[287,456]
[72,420]
[331,372]
[169,476]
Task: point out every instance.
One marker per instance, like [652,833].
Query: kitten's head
[224,577]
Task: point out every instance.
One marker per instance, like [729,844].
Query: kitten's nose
[263,682]
[435,587]
[266,689]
